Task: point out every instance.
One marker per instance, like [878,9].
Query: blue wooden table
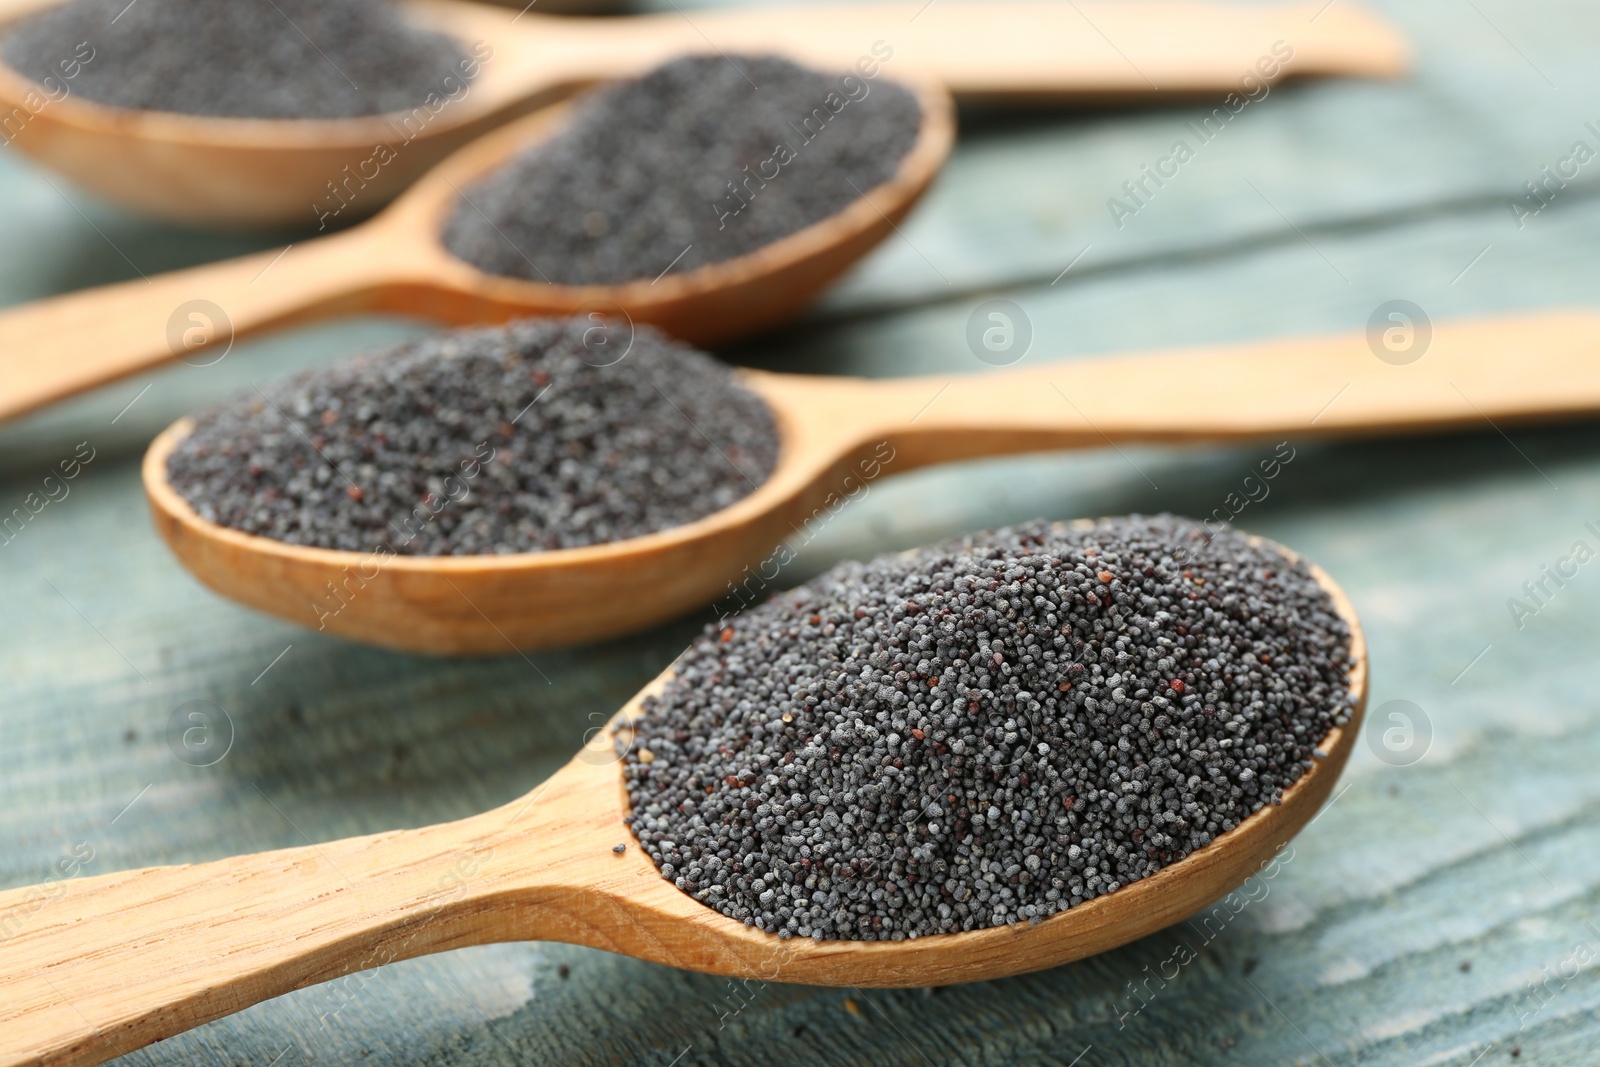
[1442,910]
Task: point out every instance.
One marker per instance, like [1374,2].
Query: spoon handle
[54,348]
[1402,375]
[96,967]
[1002,48]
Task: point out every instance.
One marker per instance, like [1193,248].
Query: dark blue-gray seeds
[496,440]
[638,181]
[986,731]
[309,59]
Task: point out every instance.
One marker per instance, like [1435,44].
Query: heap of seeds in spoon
[537,435]
[689,165]
[291,59]
[987,731]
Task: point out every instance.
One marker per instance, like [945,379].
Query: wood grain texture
[1487,851]
[207,171]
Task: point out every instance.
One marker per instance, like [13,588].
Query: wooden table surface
[1441,911]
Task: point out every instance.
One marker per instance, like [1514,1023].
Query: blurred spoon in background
[269,173]
[396,262]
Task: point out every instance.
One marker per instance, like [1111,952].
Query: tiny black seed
[685,166]
[860,831]
[597,453]
[244,58]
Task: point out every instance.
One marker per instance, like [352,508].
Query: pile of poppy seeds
[498,440]
[985,732]
[690,164]
[292,59]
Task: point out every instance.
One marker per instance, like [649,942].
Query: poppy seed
[293,59]
[788,788]
[481,441]
[685,166]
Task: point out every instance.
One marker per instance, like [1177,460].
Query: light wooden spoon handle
[55,348]
[1469,373]
[1001,48]
[92,968]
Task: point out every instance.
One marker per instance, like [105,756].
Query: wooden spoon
[93,968]
[1474,374]
[274,172]
[54,348]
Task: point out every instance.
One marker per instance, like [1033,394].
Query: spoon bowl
[272,173]
[209,939]
[396,262]
[838,434]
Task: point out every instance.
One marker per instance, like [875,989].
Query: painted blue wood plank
[1483,853]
